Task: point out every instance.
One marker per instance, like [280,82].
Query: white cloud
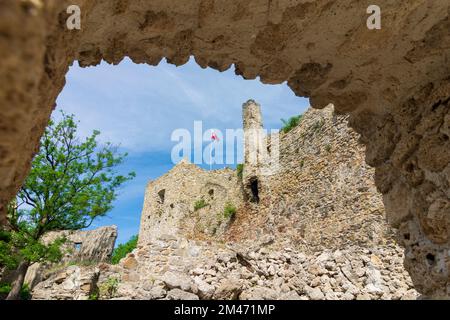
[138,106]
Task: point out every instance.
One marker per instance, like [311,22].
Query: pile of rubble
[206,271]
[180,269]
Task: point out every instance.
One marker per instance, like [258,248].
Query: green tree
[72,181]
[123,249]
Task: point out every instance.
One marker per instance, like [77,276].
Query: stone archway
[394,82]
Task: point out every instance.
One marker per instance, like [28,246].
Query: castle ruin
[316,198]
[314,228]
[299,180]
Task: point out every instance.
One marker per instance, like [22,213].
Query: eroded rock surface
[410,150]
[72,283]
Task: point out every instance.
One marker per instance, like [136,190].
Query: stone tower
[254,144]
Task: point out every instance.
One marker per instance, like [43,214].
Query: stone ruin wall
[169,202]
[75,277]
[321,195]
[397,94]
[87,247]
[92,246]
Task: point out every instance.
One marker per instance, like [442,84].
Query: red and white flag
[214,136]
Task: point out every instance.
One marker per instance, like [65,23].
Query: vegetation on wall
[123,249]
[200,204]
[229,211]
[291,123]
[302,163]
[240,170]
[317,125]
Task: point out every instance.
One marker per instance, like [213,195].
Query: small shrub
[328,147]
[240,170]
[109,288]
[93,295]
[123,249]
[25,293]
[229,211]
[291,123]
[317,125]
[5,289]
[199,204]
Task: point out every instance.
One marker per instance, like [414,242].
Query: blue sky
[138,107]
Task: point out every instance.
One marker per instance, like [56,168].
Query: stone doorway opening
[162,195]
[254,189]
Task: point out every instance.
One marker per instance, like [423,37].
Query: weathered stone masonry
[170,201]
[393,82]
[320,193]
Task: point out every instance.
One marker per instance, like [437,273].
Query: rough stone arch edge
[363,78]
